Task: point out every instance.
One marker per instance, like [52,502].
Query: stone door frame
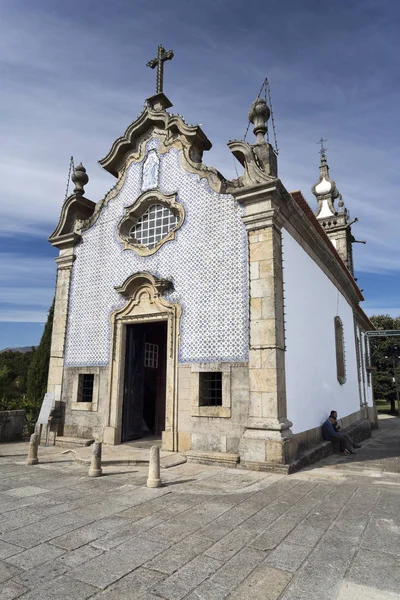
[145,305]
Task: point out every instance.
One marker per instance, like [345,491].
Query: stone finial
[259,114]
[80,179]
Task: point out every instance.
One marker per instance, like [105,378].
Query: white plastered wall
[311,303]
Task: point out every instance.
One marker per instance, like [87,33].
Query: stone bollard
[95,465]
[154,468]
[33,450]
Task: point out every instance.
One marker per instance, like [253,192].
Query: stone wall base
[292,449]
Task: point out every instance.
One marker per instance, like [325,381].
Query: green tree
[39,366]
[385,353]
[13,373]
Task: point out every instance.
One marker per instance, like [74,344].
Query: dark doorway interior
[143,411]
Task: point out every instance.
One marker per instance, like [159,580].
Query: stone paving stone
[114,564]
[139,511]
[281,527]
[262,519]
[321,575]
[288,557]
[38,575]
[16,519]
[112,523]
[229,576]
[7,550]
[383,535]
[187,578]
[23,492]
[137,496]
[28,559]
[115,538]
[187,523]
[313,527]
[77,557]
[11,590]
[178,555]
[43,531]
[62,588]
[352,591]
[133,586]
[229,545]
[376,570]
[264,583]
[78,537]
[7,571]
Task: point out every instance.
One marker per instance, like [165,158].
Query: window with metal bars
[85,387]
[153,226]
[210,392]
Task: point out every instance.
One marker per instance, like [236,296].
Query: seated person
[337,429]
[329,434]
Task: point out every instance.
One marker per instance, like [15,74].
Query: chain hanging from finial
[71,168]
[268,101]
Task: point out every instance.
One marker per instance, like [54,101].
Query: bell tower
[335,222]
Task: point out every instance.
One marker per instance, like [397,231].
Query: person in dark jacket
[336,427]
[329,434]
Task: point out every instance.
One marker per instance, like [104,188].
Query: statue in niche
[150,171]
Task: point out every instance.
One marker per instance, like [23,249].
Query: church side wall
[311,303]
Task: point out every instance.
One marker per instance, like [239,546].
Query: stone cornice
[270,204]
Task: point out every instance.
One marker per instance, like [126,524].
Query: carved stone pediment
[151,221]
[75,210]
[140,282]
[155,117]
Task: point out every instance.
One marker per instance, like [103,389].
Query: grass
[383,407]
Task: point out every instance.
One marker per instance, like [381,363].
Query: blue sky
[74,76]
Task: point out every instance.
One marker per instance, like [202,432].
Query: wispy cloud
[74,76]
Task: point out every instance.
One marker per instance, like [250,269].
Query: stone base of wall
[312,448]
[12,423]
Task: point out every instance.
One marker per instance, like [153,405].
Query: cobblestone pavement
[329,532]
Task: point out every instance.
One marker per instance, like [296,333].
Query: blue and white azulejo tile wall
[207,263]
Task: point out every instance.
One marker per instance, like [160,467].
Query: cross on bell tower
[162,56]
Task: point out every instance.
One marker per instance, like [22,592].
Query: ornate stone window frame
[86,406]
[340,350]
[223,411]
[138,208]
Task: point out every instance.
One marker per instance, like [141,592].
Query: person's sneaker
[348,452]
[356,446]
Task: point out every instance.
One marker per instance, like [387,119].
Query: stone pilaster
[64,271]
[267,441]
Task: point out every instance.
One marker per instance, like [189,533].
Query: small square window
[210,392]
[85,387]
[151,356]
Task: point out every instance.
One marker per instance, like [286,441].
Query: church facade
[222,316]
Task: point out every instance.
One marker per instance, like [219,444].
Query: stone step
[72,442]
[222,459]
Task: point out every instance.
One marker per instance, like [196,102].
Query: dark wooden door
[132,411]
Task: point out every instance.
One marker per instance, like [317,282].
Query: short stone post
[154,479]
[33,450]
[95,465]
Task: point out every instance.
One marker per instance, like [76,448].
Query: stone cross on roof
[321,143]
[162,56]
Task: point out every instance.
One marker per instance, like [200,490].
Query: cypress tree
[39,366]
